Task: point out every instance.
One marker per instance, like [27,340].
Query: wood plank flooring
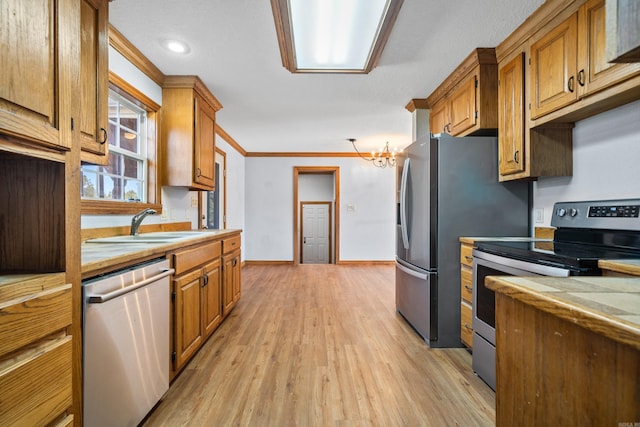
[322,345]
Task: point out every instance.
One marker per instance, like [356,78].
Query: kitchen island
[568,350]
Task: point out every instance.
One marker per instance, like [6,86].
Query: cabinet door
[94,77]
[511,116]
[36,80]
[227,283]
[439,117]
[553,68]
[595,73]
[188,326]
[204,161]
[211,297]
[462,109]
[237,280]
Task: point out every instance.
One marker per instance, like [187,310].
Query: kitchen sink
[157,237]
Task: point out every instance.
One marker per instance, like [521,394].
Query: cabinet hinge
[173,356]
[529,61]
[71,123]
[476,114]
[476,83]
[529,106]
[173,296]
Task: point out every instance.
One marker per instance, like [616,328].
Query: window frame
[153,190]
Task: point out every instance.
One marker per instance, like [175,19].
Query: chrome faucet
[137,220]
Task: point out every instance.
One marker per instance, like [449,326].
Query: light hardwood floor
[322,345]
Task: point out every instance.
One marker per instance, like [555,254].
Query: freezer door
[416,299]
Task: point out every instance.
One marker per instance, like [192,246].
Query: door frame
[329,223]
[221,158]
[326,170]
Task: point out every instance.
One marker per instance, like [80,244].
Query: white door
[315,233]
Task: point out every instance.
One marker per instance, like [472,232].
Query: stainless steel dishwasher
[126,344]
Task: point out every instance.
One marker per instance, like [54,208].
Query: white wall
[367,229]
[606,162]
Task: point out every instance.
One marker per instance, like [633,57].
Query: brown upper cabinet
[38,70]
[188,133]
[466,102]
[94,80]
[511,116]
[553,72]
[569,61]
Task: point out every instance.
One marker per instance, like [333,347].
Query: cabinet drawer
[466,255]
[231,243]
[26,319]
[39,384]
[191,258]
[466,330]
[466,284]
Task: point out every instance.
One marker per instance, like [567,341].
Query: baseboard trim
[261,262]
[370,262]
[343,262]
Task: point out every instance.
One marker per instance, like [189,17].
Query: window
[123,179]
[128,183]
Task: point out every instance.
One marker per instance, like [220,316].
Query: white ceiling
[234,50]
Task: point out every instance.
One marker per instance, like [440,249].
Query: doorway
[308,194]
[315,232]
[212,205]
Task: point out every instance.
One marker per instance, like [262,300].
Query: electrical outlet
[194,202]
[539,213]
[165,215]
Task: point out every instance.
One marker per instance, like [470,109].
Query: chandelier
[381,158]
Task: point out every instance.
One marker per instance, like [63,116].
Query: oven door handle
[525,268]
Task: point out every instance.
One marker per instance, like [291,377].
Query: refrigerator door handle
[403,203]
[411,272]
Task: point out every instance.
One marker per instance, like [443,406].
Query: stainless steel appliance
[448,188]
[586,232]
[126,344]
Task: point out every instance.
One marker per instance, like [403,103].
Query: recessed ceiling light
[176,46]
[333,35]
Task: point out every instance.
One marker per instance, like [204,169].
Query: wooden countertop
[630,266]
[608,306]
[99,258]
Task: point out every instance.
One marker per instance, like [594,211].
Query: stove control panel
[625,211]
[604,214]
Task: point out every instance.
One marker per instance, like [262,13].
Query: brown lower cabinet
[199,295]
[35,350]
[555,372]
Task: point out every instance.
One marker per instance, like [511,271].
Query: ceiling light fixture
[337,36]
[381,158]
[176,46]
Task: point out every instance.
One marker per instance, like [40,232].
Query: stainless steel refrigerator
[447,188]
